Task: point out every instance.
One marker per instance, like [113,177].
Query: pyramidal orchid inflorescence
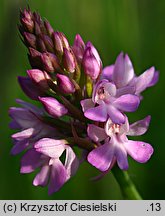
[82,105]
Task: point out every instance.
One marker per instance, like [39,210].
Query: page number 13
[155,206]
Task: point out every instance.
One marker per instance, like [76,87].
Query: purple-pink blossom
[73,89]
[46,156]
[41,152]
[117,146]
[105,103]
[123,76]
[28,119]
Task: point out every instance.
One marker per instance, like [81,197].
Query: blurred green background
[133,26]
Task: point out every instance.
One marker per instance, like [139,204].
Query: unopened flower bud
[60,42]
[37,29]
[35,58]
[48,66]
[78,47]
[29,88]
[94,52]
[65,85]
[91,62]
[54,60]
[34,53]
[41,45]
[64,41]
[26,18]
[50,62]
[40,78]
[37,18]
[53,107]
[69,60]
[26,13]
[48,43]
[30,39]
[58,45]
[49,28]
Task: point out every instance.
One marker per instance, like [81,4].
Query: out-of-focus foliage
[133,26]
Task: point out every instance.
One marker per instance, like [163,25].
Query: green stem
[127,187]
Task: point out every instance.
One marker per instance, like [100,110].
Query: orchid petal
[110,88]
[23,134]
[124,128]
[102,156]
[121,156]
[144,80]
[87,104]
[42,177]
[97,134]
[98,113]
[139,151]
[50,147]
[30,89]
[107,72]
[154,79]
[100,176]
[14,125]
[125,90]
[127,103]
[123,71]
[30,161]
[57,176]
[23,117]
[139,127]
[29,107]
[116,116]
[19,146]
[71,162]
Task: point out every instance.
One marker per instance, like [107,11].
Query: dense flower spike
[64,79]
[51,52]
